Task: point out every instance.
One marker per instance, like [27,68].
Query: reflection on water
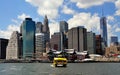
[71,69]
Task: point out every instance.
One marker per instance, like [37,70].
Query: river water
[71,69]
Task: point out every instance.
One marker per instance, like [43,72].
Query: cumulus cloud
[54,27]
[117,4]
[91,22]
[47,7]
[7,33]
[89,3]
[117,30]
[23,16]
[67,10]
[15,26]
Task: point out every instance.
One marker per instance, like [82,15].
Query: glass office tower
[103,30]
[28,33]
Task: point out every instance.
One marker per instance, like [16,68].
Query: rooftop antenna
[102,11]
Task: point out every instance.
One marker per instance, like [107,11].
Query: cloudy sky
[85,13]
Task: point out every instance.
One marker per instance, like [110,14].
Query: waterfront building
[3,46]
[63,32]
[39,44]
[28,34]
[98,44]
[14,46]
[112,51]
[103,30]
[91,42]
[55,41]
[114,40]
[77,39]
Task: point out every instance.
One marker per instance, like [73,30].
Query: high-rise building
[91,46]
[114,40]
[63,27]
[39,27]
[55,41]
[63,33]
[3,46]
[46,30]
[14,46]
[77,39]
[98,45]
[103,30]
[28,34]
[39,44]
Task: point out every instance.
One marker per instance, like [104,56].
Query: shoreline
[47,61]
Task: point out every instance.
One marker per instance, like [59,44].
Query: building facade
[91,46]
[98,44]
[103,30]
[114,40]
[39,27]
[55,41]
[14,46]
[39,44]
[63,32]
[77,39]
[3,46]
[28,34]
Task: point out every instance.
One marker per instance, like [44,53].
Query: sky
[85,13]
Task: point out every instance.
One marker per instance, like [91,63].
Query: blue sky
[85,13]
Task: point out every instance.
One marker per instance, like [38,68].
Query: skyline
[75,12]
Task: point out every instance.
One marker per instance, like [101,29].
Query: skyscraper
[39,27]
[91,46]
[77,39]
[13,48]
[39,44]
[63,32]
[28,34]
[3,46]
[63,27]
[103,30]
[55,41]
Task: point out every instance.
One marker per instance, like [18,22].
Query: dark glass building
[28,34]
[39,27]
[114,40]
[63,33]
[103,30]
[3,46]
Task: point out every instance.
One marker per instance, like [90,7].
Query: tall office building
[28,34]
[39,27]
[46,30]
[114,40]
[77,39]
[98,45]
[91,46]
[55,41]
[63,32]
[14,46]
[103,30]
[39,44]
[63,27]
[3,46]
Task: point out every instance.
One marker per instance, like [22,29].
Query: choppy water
[71,69]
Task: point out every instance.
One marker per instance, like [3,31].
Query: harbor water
[49,69]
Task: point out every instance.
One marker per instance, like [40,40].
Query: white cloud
[117,4]
[67,10]
[54,27]
[110,18]
[23,16]
[89,3]
[47,7]
[117,30]
[7,33]
[91,22]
